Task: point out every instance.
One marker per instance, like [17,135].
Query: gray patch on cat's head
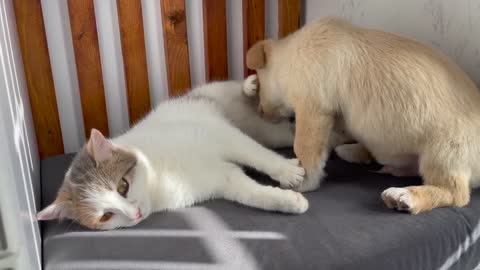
[96,188]
[84,170]
[87,182]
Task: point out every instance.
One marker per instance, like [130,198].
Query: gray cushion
[346,227]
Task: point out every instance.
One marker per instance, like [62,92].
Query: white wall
[450,26]
[19,166]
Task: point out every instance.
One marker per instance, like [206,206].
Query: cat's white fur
[238,101]
[188,151]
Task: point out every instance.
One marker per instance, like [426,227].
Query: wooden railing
[38,72]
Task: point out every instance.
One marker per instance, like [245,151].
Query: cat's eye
[123,187]
[106,217]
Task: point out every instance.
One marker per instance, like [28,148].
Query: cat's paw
[295,203]
[290,174]
[250,86]
[400,199]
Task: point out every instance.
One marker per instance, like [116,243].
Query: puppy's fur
[408,104]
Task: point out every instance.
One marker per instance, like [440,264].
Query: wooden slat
[134,58]
[253,26]
[215,37]
[288,17]
[89,70]
[176,46]
[40,85]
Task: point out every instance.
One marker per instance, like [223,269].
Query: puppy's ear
[257,55]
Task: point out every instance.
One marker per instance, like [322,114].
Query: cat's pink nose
[138,215]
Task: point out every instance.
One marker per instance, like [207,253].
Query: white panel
[235,39]
[112,65]
[62,60]
[194,13]
[157,75]
[19,169]
[451,26]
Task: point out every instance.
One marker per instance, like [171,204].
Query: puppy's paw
[312,181]
[290,174]
[400,199]
[295,203]
[308,185]
[250,86]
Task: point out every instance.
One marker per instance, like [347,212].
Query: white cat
[182,153]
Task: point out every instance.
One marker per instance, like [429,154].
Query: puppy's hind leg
[446,183]
[353,153]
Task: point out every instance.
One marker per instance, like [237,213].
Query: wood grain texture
[134,58]
[33,43]
[89,70]
[288,17]
[176,46]
[215,38]
[253,26]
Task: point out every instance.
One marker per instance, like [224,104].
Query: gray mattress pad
[346,227]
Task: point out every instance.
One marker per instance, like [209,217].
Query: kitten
[184,152]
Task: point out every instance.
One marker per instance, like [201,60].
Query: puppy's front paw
[250,85]
[290,174]
[400,199]
[308,185]
[312,181]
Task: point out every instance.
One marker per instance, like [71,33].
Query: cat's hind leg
[244,190]
[272,135]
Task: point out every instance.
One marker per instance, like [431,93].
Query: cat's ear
[257,55]
[59,209]
[99,147]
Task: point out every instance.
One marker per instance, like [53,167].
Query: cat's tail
[250,86]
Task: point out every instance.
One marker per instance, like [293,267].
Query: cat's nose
[138,215]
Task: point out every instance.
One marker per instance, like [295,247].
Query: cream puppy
[408,104]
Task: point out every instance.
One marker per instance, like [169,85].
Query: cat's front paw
[295,203]
[250,86]
[291,174]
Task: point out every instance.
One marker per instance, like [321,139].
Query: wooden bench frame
[38,71]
